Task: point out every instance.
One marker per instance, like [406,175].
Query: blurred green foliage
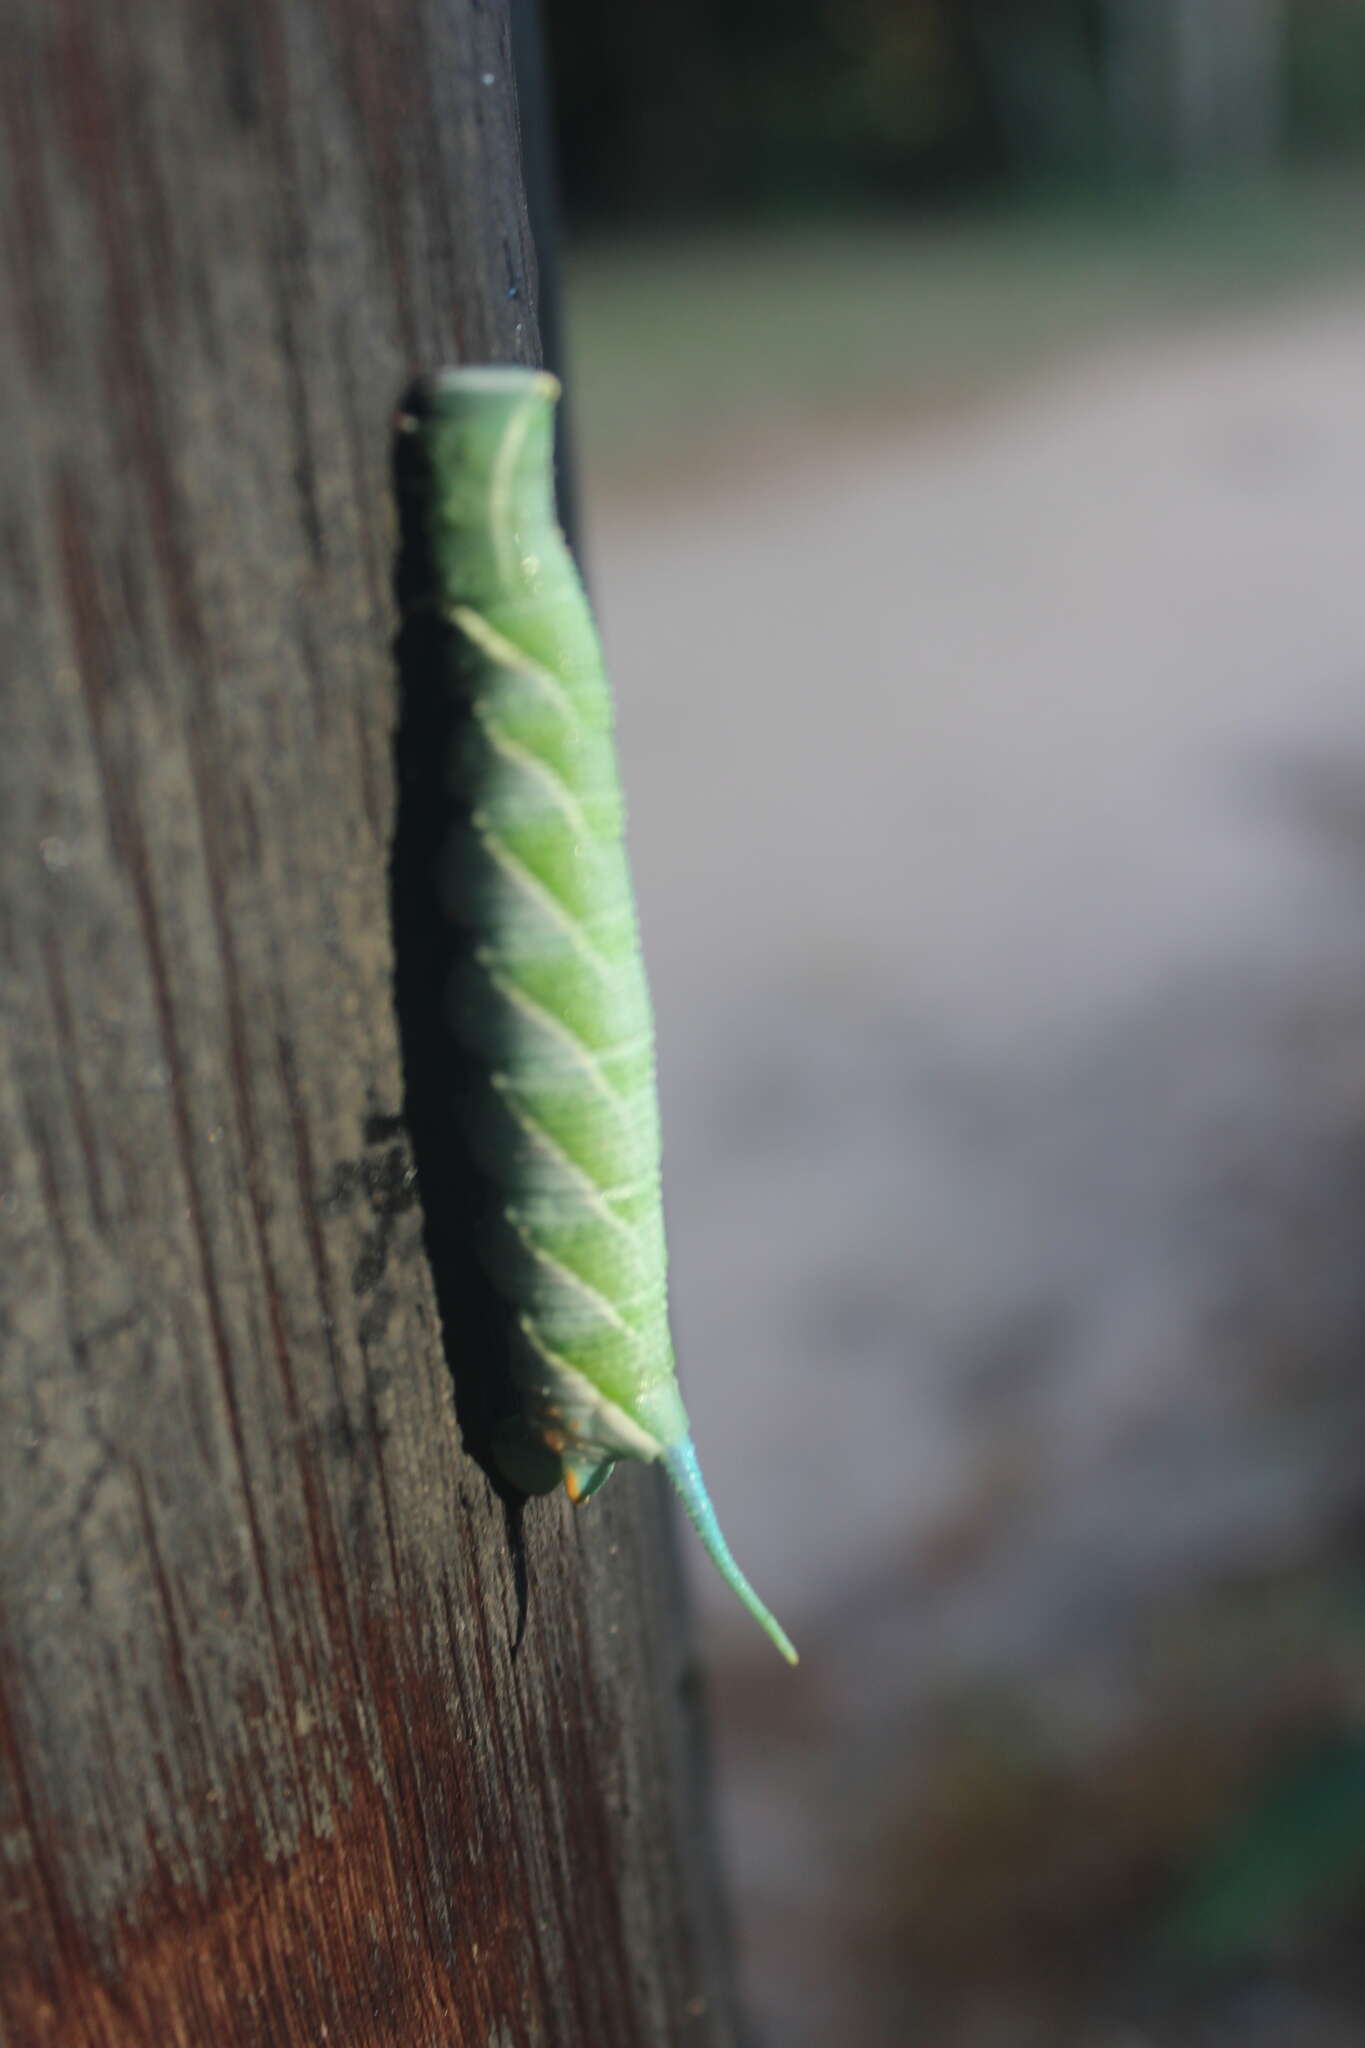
[692,108]
[1325,78]
[1288,1867]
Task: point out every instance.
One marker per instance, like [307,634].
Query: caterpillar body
[551,1001]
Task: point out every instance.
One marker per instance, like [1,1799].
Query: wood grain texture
[270,1770]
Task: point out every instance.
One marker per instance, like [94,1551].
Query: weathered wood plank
[269,1768]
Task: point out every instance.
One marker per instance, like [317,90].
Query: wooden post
[273,1768]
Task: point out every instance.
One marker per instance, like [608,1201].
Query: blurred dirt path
[944,762]
[998,807]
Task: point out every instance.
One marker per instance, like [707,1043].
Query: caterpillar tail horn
[680,1461]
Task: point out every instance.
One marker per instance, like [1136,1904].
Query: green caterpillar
[551,1001]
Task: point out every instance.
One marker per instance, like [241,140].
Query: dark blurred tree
[1194,86]
[1039,63]
[694,106]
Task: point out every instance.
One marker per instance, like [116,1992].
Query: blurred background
[969,405]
